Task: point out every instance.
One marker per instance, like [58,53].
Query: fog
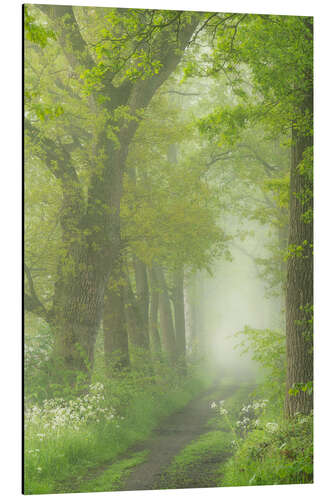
[233,297]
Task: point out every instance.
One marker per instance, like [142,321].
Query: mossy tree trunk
[299,292]
[90,222]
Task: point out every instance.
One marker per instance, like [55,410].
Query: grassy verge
[250,444]
[114,476]
[198,464]
[279,452]
[64,439]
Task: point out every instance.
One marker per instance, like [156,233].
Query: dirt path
[173,434]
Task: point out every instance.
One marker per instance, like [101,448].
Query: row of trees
[140,170]
[110,252]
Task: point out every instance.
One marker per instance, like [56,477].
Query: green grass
[281,457]
[198,463]
[63,459]
[233,404]
[112,478]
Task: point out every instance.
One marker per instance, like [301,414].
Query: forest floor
[146,466]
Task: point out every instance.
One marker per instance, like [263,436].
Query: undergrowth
[273,454]
[269,449]
[65,437]
[198,464]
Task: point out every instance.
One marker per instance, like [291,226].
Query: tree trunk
[91,233]
[154,338]
[166,322]
[77,311]
[193,313]
[299,292]
[114,325]
[137,335]
[142,292]
[178,301]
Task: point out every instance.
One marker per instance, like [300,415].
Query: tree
[110,74]
[276,53]
[170,214]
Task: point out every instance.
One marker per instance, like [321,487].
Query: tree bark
[142,291]
[154,338]
[136,333]
[299,291]
[193,313]
[116,352]
[91,230]
[166,321]
[178,302]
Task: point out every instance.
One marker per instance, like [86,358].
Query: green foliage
[34,31]
[298,250]
[296,388]
[170,211]
[267,448]
[37,352]
[129,43]
[268,348]
[230,162]
[305,168]
[279,454]
[278,52]
[226,124]
[66,437]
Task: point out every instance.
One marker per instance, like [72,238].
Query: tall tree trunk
[91,233]
[178,301]
[77,311]
[114,325]
[142,291]
[193,313]
[166,322]
[299,292]
[154,338]
[187,313]
[136,333]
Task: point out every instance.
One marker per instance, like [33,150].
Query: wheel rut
[172,435]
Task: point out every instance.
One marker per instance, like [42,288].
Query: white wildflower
[272,426]
[252,479]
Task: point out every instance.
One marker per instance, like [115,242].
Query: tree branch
[57,159]
[31,301]
[269,168]
[67,29]
[179,93]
